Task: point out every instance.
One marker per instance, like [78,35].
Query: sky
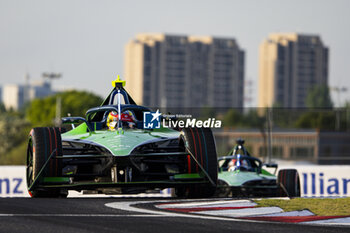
[84,39]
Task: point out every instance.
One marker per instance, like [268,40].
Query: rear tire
[200,142]
[42,142]
[289,183]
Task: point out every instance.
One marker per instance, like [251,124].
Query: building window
[277,152]
[301,152]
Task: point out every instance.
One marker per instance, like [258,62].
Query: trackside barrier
[315,180]
[323,180]
[13,181]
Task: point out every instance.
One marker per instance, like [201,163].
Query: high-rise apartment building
[184,71]
[289,66]
[14,96]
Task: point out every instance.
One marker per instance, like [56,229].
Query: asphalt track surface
[92,215]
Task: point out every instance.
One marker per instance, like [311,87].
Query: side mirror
[75,120]
[271,165]
[274,165]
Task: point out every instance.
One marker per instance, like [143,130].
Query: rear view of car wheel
[200,142]
[43,141]
[289,183]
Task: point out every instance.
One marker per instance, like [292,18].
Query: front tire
[200,142]
[42,142]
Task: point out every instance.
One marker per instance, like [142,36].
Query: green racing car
[122,156]
[241,174]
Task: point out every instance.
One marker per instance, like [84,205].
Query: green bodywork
[238,178]
[93,171]
[253,170]
[119,142]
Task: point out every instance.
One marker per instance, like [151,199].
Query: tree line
[15,125]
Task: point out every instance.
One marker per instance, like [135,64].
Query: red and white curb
[247,210]
[161,194]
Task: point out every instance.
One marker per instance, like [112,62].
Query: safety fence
[315,181]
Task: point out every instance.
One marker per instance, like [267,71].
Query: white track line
[206,204]
[333,221]
[243,212]
[78,215]
[239,204]
[75,194]
[290,213]
[126,206]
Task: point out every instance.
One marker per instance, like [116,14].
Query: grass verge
[319,206]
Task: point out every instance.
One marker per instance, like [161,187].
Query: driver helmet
[232,165]
[126,119]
